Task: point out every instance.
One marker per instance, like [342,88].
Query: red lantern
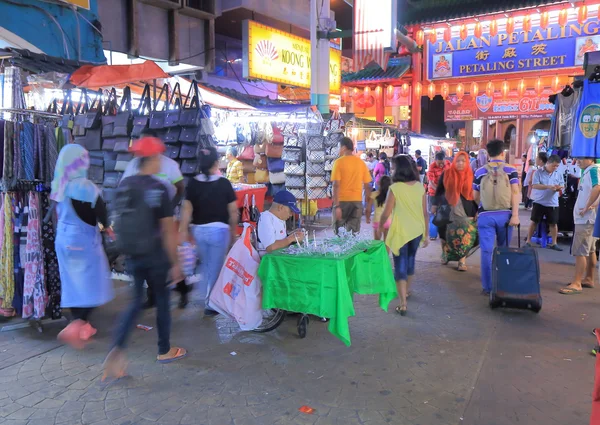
[521,87]
[447,34]
[505,89]
[539,86]
[527,23]
[489,89]
[404,90]
[420,37]
[544,20]
[510,25]
[355,92]
[478,30]
[431,90]
[493,28]
[474,90]
[345,94]
[367,91]
[460,90]
[418,90]
[445,91]
[390,91]
[563,16]
[582,12]
[464,32]
[555,83]
[432,37]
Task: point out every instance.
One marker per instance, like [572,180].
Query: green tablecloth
[324,286]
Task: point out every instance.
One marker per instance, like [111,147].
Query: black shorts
[539,211]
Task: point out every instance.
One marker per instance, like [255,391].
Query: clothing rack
[31,112]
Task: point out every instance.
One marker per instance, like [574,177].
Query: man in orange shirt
[350,176]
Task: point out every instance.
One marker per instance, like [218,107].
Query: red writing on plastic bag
[239,270]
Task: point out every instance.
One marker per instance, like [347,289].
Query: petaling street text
[513,65]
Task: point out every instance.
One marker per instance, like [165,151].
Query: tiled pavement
[451,361]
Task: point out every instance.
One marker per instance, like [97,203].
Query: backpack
[495,191]
[134,222]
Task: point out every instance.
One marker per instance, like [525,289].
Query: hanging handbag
[124,118]
[298,182]
[245,216]
[188,152]
[112,179]
[157,118]
[361,146]
[292,155]
[67,111]
[254,212]
[109,144]
[315,169]
[335,124]
[122,144]
[97,158]
[260,161]
[261,176]
[122,161]
[298,193]
[191,116]
[79,118]
[329,164]
[331,153]
[317,192]
[260,148]
[141,116]
[277,134]
[442,216]
[96,173]
[248,166]
[292,142]
[110,161]
[291,169]
[189,167]
[190,135]
[372,142]
[333,139]
[316,156]
[277,178]
[274,151]
[275,165]
[316,181]
[315,143]
[314,128]
[92,116]
[108,116]
[174,108]
[387,140]
[172,151]
[92,140]
[247,153]
[173,134]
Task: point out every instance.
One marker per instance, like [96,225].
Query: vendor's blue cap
[287,199]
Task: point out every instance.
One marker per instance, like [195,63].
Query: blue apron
[586,141]
[84,272]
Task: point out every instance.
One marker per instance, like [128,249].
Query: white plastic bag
[187,258]
[237,291]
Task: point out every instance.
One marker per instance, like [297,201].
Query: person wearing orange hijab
[455,208]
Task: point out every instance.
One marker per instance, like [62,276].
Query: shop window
[207,6]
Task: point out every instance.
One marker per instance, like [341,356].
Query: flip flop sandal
[180,353]
[595,351]
[588,285]
[462,267]
[570,291]
[115,365]
[400,311]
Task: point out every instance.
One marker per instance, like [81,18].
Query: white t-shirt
[270,230]
[587,182]
[169,173]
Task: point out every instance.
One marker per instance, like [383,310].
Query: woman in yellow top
[378,197]
[235,169]
[406,204]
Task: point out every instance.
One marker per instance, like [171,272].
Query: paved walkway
[451,361]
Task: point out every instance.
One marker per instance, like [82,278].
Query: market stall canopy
[94,77]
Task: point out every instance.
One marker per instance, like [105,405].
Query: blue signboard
[537,50]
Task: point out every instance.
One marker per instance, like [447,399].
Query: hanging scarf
[40,152]
[7,171]
[34,289]
[70,176]
[7,276]
[51,273]
[457,182]
[51,154]
[1,148]
[27,140]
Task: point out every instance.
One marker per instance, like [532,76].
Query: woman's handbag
[315,143]
[141,117]
[261,176]
[273,150]
[245,216]
[387,140]
[172,151]
[291,169]
[189,167]
[442,216]
[121,144]
[335,124]
[275,165]
[172,115]
[277,178]
[296,182]
[109,116]
[187,152]
[124,117]
[247,153]
[292,155]
[92,116]
[372,142]
[157,118]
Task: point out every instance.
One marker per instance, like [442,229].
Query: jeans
[492,229]
[212,244]
[154,270]
[404,263]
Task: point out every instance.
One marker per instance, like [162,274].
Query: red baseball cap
[147,146]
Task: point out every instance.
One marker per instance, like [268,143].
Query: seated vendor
[235,169]
[272,233]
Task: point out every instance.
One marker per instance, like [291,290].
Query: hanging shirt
[586,141]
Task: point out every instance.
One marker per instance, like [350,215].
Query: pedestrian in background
[381,169]
[528,184]
[421,165]
[378,198]
[439,165]
[406,205]
[84,273]
[482,159]
[235,168]
[583,247]
[210,211]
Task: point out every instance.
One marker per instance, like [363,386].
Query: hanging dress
[51,273]
[586,141]
[84,272]
[34,288]
[7,277]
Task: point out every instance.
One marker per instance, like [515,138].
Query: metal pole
[319,52]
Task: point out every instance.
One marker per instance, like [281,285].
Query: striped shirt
[513,176]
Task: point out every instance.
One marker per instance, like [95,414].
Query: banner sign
[374,35]
[554,47]
[273,55]
[484,107]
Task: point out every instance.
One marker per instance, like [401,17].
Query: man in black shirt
[153,266]
[421,165]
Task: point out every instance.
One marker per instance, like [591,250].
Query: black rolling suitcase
[516,278]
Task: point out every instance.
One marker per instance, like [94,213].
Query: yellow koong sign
[273,55]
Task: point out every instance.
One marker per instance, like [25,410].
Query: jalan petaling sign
[552,47]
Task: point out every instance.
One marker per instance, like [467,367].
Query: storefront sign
[536,50]
[497,108]
[374,35]
[273,55]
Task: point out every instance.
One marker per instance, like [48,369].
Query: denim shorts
[404,264]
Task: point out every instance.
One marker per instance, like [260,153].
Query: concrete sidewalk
[451,361]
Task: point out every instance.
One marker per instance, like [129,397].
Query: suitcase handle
[518,235]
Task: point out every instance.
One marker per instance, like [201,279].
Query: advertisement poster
[484,107]
[273,55]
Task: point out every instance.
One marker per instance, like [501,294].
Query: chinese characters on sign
[274,55]
[497,108]
[555,47]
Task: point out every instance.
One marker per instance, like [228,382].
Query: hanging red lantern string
[474,90]
[355,92]
[539,86]
[367,91]
[493,27]
[490,89]
[464,32]
[431,90]
[390,91]
[345,94]
[521,87]
[432,37]
[460,91]
[582,12]
[510,25]
[445,90]
[505,89]
[418,90]
[544,20]
[420,37]
[527,23]
[478,30]
[555,83]
[563,16]
[447,34]
[404,90]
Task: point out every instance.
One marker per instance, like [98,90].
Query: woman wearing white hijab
[84,272]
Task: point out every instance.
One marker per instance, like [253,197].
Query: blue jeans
[404,263]
[212,244]
[492,231]
[154,270]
